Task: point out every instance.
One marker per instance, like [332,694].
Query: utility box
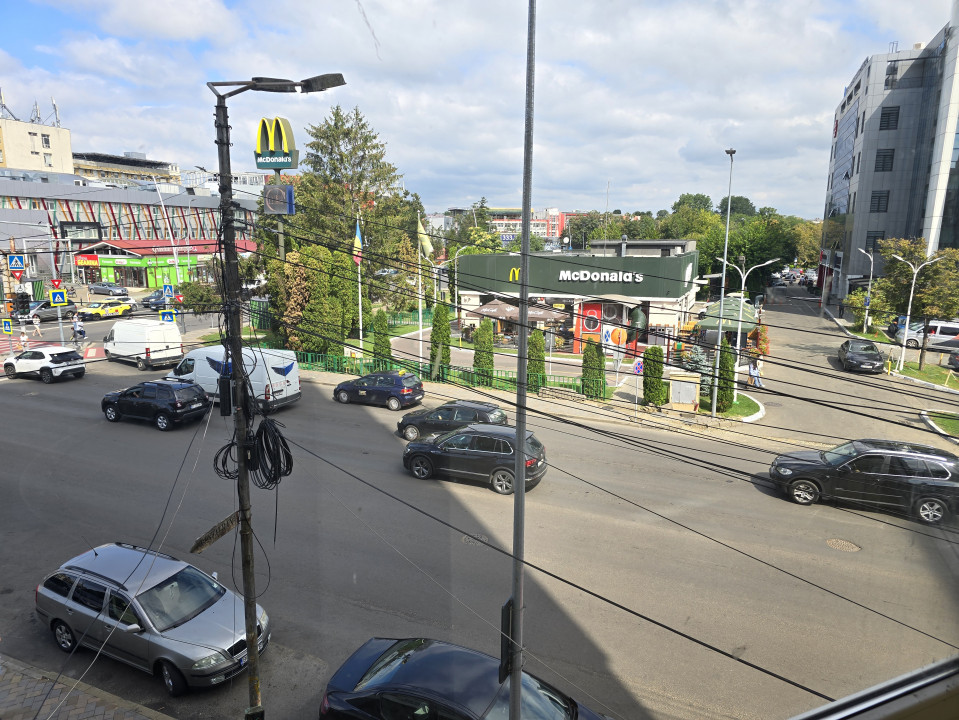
[684,391]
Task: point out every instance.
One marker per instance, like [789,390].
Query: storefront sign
[87,260]
[593,276]
[275,148]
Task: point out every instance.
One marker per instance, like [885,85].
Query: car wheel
[411,432]
[343,396]
[501,481]
[64,636]
[163,422]
[393,403]
[172,679]
[912,344]
[931,511]
[804,492]
[142,364]
[845,365]
[70,316]
[108,356]
[81,374]
[46,376]
[421,467]
[111,413]
[10,371]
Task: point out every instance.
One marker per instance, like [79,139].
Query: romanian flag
[358,245]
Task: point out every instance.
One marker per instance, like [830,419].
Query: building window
[889,118]
[879,202]
[853,207]
[1,155]
[884,159]
[858,162]
[872,240]
[47,160]
[45,141]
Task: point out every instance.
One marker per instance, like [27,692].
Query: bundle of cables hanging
[268,456]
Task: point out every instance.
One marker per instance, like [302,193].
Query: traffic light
[23,303]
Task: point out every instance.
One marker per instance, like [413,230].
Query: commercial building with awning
[596,292]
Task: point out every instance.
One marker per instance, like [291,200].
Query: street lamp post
[722,286]
[742,301]
[235,344]
[912,290]
[865,320]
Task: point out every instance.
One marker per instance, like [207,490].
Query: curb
[70,686]
[935,428]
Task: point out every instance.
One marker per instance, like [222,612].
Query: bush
[727,368]
[594,371]
[655,391]
[536,362]
[382,349]
[483,352]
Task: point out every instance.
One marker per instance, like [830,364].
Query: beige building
[120,169]
[32,146]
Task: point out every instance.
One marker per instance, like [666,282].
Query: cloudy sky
[637,99]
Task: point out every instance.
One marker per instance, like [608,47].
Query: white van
[940,331]
[274,374]
[148,343]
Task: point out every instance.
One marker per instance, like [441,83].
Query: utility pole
[231,307]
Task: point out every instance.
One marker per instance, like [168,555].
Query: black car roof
[508,431]
[476,404]
[906,448]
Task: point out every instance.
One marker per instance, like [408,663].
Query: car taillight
[405,391]
[324,705]
[148,352]
[266,392]
[530,462]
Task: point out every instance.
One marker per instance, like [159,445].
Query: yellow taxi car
[108,308]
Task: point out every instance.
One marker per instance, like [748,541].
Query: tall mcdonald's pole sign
[275,147]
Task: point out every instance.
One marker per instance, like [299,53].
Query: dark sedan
[393,388]
[449,416]
[860,355]
[883,474]
[161,402]
[387,679]
[485,453]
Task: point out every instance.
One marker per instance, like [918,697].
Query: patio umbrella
[730,316]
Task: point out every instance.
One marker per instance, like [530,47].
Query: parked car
[883,474]
[389,679]
[449,416]
[126,299]
[149,610]
[162,402]
[777,282]
[953,361]
[941,333]
[47,363]
[484,453]
[860,355]
[148,343]
[45,311]
[106,288]
[100,310]
[393,388]
[156,299]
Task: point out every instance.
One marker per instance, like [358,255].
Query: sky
[635,101]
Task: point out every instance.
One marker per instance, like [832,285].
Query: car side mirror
[134,628]
[843,468]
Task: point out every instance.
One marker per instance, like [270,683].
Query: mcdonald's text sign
[275,147]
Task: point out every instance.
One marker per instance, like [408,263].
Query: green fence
[494,379]
[409,318]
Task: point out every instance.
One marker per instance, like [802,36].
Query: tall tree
[382,347]
[654,389]
[727,370]
[440,336]
[483,352]
[740,206]
[696,201]
[536,362]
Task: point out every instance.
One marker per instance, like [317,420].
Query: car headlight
[210,661]
[263,618]
[785,472]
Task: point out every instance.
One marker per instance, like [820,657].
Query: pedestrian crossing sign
[7,326]
[167,316]
[15,262]
[58,297]
[168,291]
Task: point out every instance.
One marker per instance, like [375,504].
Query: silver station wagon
[151,611]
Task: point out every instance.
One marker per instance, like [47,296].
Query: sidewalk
[23,688]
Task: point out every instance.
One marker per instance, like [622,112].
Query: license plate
[195,405]
[243,661]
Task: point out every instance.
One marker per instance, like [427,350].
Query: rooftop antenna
[56,111]
[35,115]
[4,110]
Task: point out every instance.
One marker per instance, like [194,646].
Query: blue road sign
[638,367]
[167,316]
[168,291]
[58,297]
[7,326]
[15,262]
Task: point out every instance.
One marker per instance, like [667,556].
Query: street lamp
[912,290]
[722,286]
[742,301]
[865,320]
[235,344]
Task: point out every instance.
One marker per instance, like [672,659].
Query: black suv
[449,416]
[884,474]
[394,388]
[477,452]
[162,402]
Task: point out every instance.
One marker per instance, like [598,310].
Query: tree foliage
[655,391]
[727,370]
[382,347]
[536,362]
[594,371]
[696,201]
[483,352]
[440,335]
[739,205]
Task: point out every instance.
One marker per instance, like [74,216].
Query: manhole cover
[843,545]
[477,539]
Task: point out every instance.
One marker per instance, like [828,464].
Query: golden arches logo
[514,274]
[275,147]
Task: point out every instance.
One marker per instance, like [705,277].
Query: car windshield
[410,381]
[838,454]
[533,445]
[539,702]
[864,348]
[389,662]
[65,357]
[189,394]
[180,598]
[497,416]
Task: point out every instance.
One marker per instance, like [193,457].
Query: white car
[128,300]
[48,363]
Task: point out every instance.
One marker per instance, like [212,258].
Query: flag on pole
[358,245]
[426,247]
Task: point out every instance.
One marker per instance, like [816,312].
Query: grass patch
[874,334]
[743,407]
[948,422]
[935,374]
[248,333]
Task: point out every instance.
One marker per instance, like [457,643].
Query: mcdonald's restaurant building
[599,289]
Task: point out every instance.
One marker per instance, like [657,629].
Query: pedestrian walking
[36,326]
[24,342]
[755,373]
